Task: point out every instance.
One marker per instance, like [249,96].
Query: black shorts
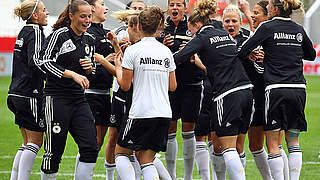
[119,109]
[285,109]
[27,112]
[100,106]
[202,126]
[143,134]
[185,103]
[231,115]
[259,102]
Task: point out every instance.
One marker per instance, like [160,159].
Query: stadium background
[10,137]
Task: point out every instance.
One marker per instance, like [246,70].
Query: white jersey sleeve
[128,59]
[172,63]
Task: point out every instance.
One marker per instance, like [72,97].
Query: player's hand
[86,64]
[182,46]
[124,40]
[244,6]
[111,57]
[192,59]
[81,80]
[98,58]
[118,60]
[124,46]
[168,40]
[256,55]
[112,38]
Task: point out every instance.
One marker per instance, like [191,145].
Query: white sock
[260,158]
[295,162]
[85,171]
[162,171]
[171,154]
[27,160]
[285,163]
[149,172]
[15,165]
[109,170]
[276,166]
[52,176]
[233,164]
[211,154]
[124,167]
[202,160]
[219,166]
[76,165]
[136,166]
[189,151]
[243,159]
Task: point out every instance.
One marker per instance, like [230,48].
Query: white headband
[35,7]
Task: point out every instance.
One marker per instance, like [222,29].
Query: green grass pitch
[10,140]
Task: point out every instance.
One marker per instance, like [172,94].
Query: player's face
[258,16]
[176,10]
[232,23]
[137,6]
[42,14]
[81,19]
[100,11]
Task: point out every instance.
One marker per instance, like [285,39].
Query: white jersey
[121,33]
[151,62]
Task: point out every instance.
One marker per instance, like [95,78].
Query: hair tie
[264,8]
[34,8]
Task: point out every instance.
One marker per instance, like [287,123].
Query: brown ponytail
[202,11]
[63,19]
[151,19]
[72,8]
[24,11]
[286,6]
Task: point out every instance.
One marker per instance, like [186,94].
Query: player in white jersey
[151,67]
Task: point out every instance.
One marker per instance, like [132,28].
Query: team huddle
[221,80]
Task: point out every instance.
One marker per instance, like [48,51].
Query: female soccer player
[26,88]
[185,101]
[232,102]
[153,75]
[285,44]
[232,22]
[98,95]
[67,59]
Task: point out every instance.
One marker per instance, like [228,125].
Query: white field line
[162,158]
[71,174]
[103,175]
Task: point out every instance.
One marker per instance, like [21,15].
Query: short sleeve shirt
[151,63]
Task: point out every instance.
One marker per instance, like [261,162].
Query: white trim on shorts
[273,86]
[34,108]
[220,110]
[246,86]
[97,91]
[128,127]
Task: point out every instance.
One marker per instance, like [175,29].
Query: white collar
[281,18]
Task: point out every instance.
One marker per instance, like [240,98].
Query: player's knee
[255,147]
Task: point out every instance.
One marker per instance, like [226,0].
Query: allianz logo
[149,60]
[281,35]
[216,39]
